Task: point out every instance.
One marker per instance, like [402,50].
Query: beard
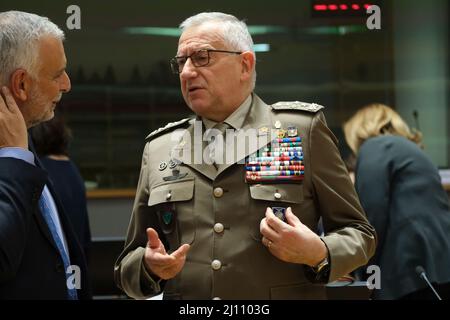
[40,108]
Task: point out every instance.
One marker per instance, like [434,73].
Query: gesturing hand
[158,261]
[13,130]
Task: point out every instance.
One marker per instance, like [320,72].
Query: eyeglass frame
[175,66]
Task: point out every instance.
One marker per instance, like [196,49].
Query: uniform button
[216,264]
[218,192]
[216,298]
[218,227]
[277,195]
[168,196]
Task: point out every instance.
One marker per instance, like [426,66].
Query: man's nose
[65,84]
[189,70]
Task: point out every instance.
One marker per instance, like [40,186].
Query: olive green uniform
[218,213]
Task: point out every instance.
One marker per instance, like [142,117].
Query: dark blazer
[401,192]
[30,264]
[69,187]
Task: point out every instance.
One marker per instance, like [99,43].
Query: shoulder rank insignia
[169,126]
[297,105]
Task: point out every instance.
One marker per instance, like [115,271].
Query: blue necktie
[45,209]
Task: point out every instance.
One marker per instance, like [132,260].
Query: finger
[9,100]
[153,239]
[262,225]
[267,231]
[181,251]
[267,242]
[273,222]
[291,218]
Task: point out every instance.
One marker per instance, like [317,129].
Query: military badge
[281,133]
[173,163]
[167,217]
[162,166]
[279,161]
[280,213]
[292,131]
[175,175]
[263,131]
[277,124]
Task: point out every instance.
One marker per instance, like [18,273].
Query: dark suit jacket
[401,192]
[30,264]
[69,187]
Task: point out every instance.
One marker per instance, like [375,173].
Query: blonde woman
[401,192]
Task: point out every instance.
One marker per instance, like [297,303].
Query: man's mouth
[194,88]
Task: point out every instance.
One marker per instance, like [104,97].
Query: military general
[219,217]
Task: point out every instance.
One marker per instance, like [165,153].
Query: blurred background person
[51,140]
[401,191]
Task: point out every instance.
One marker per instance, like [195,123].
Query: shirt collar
[236,119]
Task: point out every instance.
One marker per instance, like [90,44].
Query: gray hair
[234,32]
[20,33]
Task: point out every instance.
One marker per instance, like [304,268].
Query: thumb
[291,218]
[181,251]
[153,238]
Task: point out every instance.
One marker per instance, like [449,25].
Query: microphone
[421,272]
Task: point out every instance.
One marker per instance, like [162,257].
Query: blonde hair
[374,120]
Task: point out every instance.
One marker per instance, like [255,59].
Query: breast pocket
[274,195]
[173,204]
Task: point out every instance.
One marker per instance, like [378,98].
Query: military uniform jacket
[233,263]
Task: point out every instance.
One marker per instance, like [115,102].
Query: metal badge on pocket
[167,217]
[280,213]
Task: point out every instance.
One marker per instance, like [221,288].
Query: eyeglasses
[199,58]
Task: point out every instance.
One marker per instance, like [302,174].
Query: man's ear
[20,84]
[248,65]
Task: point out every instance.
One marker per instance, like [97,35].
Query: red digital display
[341,8]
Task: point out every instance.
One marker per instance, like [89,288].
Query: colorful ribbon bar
[281,154]
[285,149]
[270,168]
[282,158]
[275,163]
[294,139]
[286,145]
[275,173]
[255,178]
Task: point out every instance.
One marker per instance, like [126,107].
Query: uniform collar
[236,119]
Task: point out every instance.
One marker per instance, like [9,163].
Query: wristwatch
[319,273]
[322,264]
